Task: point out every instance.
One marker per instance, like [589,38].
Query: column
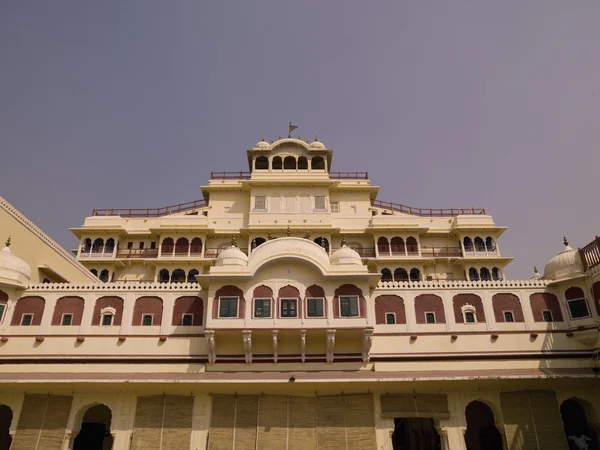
[128,304]
[200,421]
[167,314]
[46,323]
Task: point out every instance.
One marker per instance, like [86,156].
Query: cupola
[13,270]
[232,256]
[567,264]
[536,275]
[345,256]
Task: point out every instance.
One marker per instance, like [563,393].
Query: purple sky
[447,104]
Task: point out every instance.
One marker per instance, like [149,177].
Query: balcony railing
[150,212]
[427,212]
[247,175]
[441,252]
[363,252]
[137,253]
[349,175]
[590,254]
[214,252]
[230,175]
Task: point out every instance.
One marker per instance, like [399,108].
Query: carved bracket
[247,336]
[330,345]
[275,345]
[303,344]
[367,343]
[210,342]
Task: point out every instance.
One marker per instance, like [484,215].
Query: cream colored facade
[290,308]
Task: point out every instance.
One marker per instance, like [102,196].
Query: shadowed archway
[6,417]
[95,430]
[481,433]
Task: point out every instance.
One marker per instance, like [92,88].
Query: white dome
[13,270]
[345,256]
[232,256]
[317,145]
[262,144]
[566,264]
[536,275]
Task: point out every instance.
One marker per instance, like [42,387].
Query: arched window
[104,276]
[481,430]
[257,241]
[415,274]
[94,272]
[87,245]
[302,163]
[261,163]
[383,245]
[468,243]
[164,276]
[485,274]
[289,163]
[317,163]
[577,428]
[166,248]
[110,245]
[490,244]
[6,417]
[277,163]
[398,246]
[479,244]
[412,246]
[95,429]
[473,274]
[178,276]
[182,246]
[98,245]
[196,246]
[400,274]
[323,242]
[496,274]
[386,275]
[191,278]
[576,302]
[469,315]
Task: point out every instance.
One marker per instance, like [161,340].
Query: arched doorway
[95,430]
[577,429]
[415,434]
[6,416]
[481,433]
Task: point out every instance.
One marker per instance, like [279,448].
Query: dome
[316,145]
[536,275]
[566,264]
[262,144]
[345,256]
[13,270]
[232,256]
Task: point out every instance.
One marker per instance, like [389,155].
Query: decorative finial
[307,234]
[565,241]
[288,232]
[323,242]
[8,242]
[299,138]
[291,128]
[272,141]
[233,241]
[262,139]
[343,241]
[316,139]
[269,236]
[535,269]
[253,244]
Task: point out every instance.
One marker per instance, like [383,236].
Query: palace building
[291,308]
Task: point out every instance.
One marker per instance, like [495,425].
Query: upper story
[290,190]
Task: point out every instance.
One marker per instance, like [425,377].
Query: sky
[454,103]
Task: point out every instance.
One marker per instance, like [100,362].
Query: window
[320,203]
[261,163]
[26,319]
[141,245]
[335,207]
[578,308]
[152,245]
[262,307]
[547,316]
[508,316]
[2,309]
[469,317]
[147,320]
[288,307]
[390,318]
[187,320]
[129,245]
[260,203]
[429,317]
[314,307]
[107,319]
[349,306]
[228,307]
[67,319]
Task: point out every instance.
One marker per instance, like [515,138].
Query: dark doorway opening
[95,430]
[6,416]
[481,433]
[415,434]
[577,430]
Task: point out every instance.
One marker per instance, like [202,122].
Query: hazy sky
[449,103]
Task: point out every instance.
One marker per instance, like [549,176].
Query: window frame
[288,299]
[322,300]
[587,306]
[237,307]
[393,314]
[3,313]
[472,313]
[183,316]
[324,208]
[62,320]
[23,316]
[262,300]
[334,207]
[512,316]
[432,313]
[547,311]
[355,297]
[112,319]
[151,320]
[264,200]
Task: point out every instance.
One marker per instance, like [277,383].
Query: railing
[590,254]
[247,175]
[441,252]
[427,212]
[150,212]
[214,252]
[137,253]
[86,253]
[349,175]
[363,252]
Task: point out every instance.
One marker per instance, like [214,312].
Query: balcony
[441,252]
[427,212]
[137,253]
[363,252]
[214,252]
[590,254]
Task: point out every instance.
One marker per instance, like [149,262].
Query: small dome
[317,145]
[262,144]
[536,275]
[564,265]
[345,256]
[13,270]
[232,256]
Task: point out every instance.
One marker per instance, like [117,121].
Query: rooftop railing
[590,254]
[247,175]
[427,212]
[150,212]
